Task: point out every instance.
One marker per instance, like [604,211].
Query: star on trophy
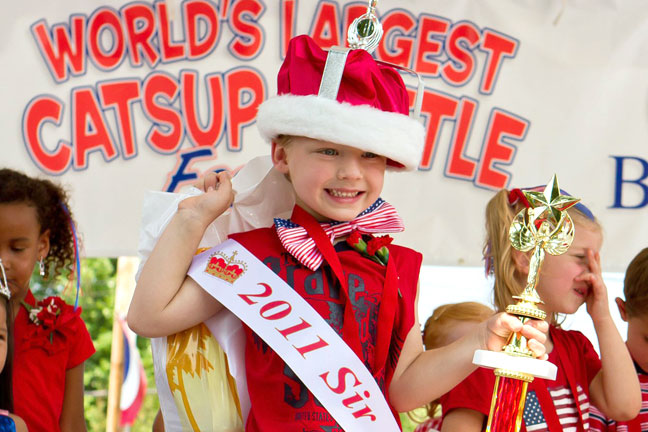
[544,227]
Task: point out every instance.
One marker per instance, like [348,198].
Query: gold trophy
[543,227]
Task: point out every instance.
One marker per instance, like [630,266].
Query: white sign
[115,98]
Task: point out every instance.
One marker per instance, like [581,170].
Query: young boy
[634,311]
[332,137]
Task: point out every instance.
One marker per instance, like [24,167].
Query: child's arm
[424,376]
[615,389]
[21,426]
[166,301]
[72,413]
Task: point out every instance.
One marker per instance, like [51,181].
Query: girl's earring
[41,267]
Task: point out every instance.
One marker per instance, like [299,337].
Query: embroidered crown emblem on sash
[225,267]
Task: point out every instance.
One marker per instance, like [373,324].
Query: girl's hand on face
[499,327]
[597,298]
[217,198]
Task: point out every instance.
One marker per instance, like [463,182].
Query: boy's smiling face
[331,181]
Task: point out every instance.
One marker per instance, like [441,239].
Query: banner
[114,98]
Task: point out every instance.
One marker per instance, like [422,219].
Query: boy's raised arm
[166,301]
[422,376]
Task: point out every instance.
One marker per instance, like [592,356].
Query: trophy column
[543,227]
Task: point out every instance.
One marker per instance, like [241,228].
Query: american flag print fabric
[380,217]
[601,423]
[566,409]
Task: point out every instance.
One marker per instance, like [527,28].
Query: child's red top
[41,360]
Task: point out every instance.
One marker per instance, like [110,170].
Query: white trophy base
[499,360]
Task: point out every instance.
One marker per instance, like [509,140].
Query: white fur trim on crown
[393,135]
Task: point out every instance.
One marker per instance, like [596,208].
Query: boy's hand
[597,298]
[499,327]
[217,198]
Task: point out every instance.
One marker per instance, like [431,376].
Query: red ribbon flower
[375,249]
[50,315]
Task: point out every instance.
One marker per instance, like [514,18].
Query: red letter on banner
[463,39]
[401,23]
[351,12]
[502,127]
[287,24]
[326,25]
[245,92]
[106,19]
[41,110]
[59,55]
[196,12]
[432,30]
[89,131]
[497,46]
[436,108]
[210,135]
[459,166]
[170,51]
[164,139]
[120,95]
[140,26]
[249,35]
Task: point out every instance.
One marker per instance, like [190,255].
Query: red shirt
[601,423]
[578,363]
[40,367]
[280,401]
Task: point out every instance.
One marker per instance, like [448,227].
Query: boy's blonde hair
[498,252]
[635,286]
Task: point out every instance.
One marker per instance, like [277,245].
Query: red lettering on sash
[321,343]
[342,373]
[303,325]
[267,290]
[281,313]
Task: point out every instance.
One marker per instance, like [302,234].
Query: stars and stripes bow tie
[381,217]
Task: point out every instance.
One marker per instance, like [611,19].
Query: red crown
[224,267]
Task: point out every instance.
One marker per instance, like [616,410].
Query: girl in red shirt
[51,340]
[566,282]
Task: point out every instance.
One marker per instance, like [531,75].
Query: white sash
[297,333]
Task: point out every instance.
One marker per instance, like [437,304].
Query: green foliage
[97,301]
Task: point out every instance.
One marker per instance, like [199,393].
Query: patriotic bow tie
[381,217]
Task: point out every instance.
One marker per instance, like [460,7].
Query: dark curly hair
[51,203]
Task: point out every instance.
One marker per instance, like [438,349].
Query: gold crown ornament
[225,267]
